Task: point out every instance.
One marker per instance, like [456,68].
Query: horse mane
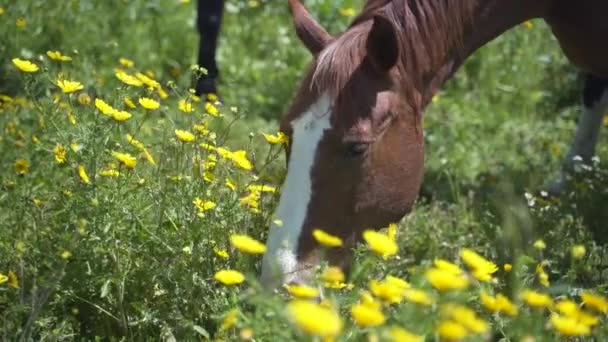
[426,31]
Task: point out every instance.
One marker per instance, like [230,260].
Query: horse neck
[490,19]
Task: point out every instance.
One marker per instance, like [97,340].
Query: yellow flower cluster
[247,244]
[460,322]
[314,318]
[446,276]
[481,268]
[570,320]
[380,244]
[108,110]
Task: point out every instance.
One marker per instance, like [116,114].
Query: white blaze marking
[280,263]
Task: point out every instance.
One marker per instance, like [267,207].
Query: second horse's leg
[208,22]
[595,104]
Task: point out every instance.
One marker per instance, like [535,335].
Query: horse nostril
[356,149]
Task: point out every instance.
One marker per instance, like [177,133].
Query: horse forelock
[426,30]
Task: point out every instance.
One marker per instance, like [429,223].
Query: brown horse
[356,155]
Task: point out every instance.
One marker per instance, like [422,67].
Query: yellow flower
[69,86]
[221,253]
[1,10]
[578,251]
[387,291]
[251,201]
[229,277]
[536,299]
[125,62]
[211,109]
[25,65]
[540,244]
[571,309]
[398,282]
[447,266]
[162,93]
[185,106]
[278,138]
[147,80]
[246,334]
[446,280]
[125,159]
[465,316]
[302,291]
[149,103]
[201,128]
[65,254]
[203,205]
[13,281]
[595,301]
[380,243]
[121,115]
[57,56]
[347,11]
[129,103]
[84,99]
[128,79]
[229,321]
[185,136]
[332,276]
[326,239]
[247,244]
[398,334]
[528,24]
[569,326]
[314,318]
[109,173]
[20,22]
[417,297]
[140,146]
[543,277]
[451,330]
[392,231]
[239,158]
[82,172]
[3,278]
[104,108]
[482,268]
[261,188]
[500,303]
[208,176]
[230,184]
[60,153]
[367,316]
[507,267]
[22,166]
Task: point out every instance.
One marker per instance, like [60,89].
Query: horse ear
[382,45]
[314,37]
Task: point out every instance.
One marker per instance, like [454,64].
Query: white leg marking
[279,264]
[587,131]
[583,145]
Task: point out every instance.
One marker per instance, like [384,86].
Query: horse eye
[356,149]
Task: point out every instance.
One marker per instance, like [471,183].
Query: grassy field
[113,225]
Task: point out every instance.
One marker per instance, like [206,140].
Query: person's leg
[209,21]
